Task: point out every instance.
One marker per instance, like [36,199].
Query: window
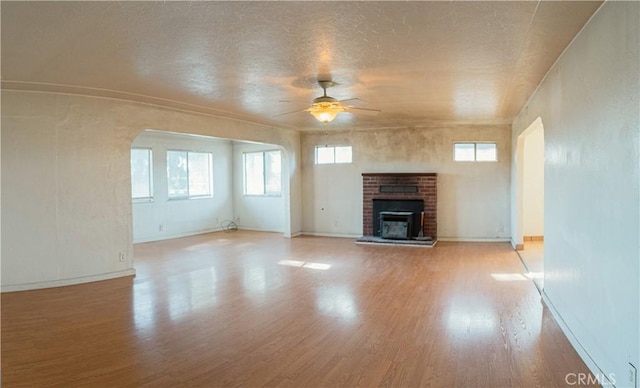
[141,188]
[475,152]
[333,154]
[189,174]
[262,173]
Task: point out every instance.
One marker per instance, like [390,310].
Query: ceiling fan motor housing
[325,99]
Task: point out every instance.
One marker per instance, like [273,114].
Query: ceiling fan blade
[364,111]
[289,113]
[351,99]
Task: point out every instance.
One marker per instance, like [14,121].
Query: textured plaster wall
[66,181]
[533,184]
[265,213]
[473,198]
[163,218]
[589,103]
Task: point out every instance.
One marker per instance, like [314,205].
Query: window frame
[150,198]
[334,153]
[210,175]
[475,152]
[264,174]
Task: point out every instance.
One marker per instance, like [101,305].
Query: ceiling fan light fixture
[325,112]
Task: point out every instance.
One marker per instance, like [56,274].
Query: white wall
[67,183]
[533,184]
[473,198]
[163,218]
[254,212]
[589,103]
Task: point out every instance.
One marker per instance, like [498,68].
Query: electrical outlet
[160,227]
[122,257]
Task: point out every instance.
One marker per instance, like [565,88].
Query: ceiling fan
[326,108]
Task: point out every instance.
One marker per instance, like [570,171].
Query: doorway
[530,169]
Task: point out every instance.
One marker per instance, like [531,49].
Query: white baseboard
[516,246]
[67,282]
[582,352]
[339,235]
[296,234]
[474,239]
[175,235]
[258,229]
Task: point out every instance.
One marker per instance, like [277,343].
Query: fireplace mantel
[423,185]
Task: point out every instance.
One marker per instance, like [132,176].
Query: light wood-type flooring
[533,258]
[255,309]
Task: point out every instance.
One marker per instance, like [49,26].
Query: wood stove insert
[396,225]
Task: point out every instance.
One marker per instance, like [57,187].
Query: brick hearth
[426,183]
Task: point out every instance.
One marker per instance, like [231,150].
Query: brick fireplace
[400,186]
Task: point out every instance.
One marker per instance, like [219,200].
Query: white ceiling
[420,62]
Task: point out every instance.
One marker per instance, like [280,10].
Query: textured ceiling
[419,62]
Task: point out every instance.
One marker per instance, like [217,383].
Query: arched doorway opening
[530,160]
[164,207]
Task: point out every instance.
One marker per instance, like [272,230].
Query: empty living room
[320,194]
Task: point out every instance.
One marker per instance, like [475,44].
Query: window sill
[263,195]
[189,198]
[142,200]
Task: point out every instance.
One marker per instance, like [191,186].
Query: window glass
[177,176]
[325,155]
[199,174]
[486,152]
[254,173]
[263,173]
[343,154]
[475,152]
[189,174]
[464,152]
[333,154]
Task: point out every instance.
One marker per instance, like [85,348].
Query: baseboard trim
[573,340]
[176,235]
[473,239]
[259,230]
[338,235]
[533,238]
[296,234]
[67,282]
[516,247]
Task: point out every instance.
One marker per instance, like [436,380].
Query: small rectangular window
[486,152]
[189,174]
[333,154]
[263,173]
[475,152]
[141,175]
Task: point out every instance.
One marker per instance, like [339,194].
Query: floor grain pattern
[221,309]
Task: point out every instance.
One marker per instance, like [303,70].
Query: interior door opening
[531,160]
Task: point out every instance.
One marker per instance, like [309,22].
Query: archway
[161,216]
[529,236]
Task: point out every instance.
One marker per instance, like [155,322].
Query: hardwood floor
[255,309]
[533,258]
